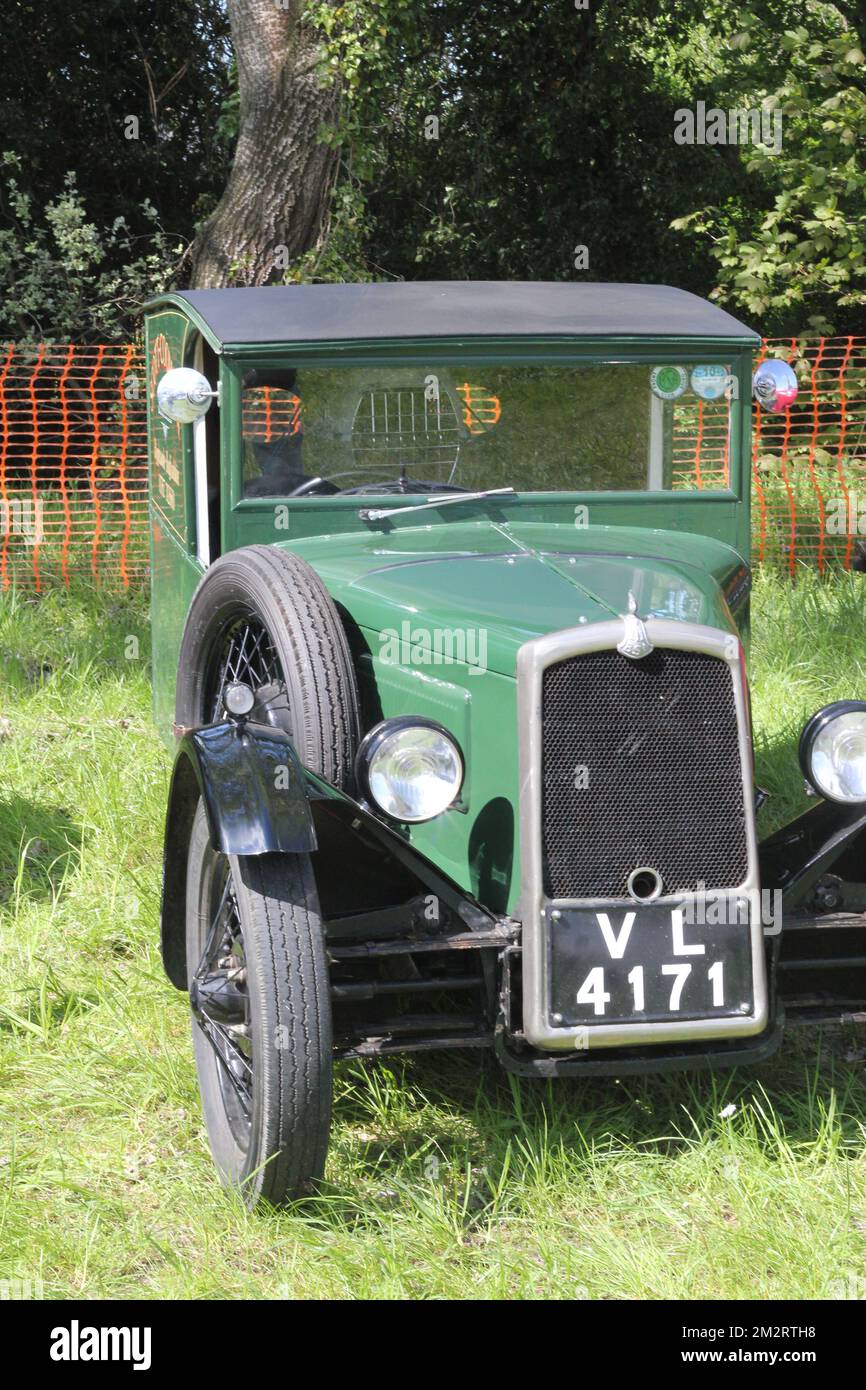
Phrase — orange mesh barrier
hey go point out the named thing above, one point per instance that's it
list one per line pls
(269, 412)
(73, 464)
(481, 410)
(73, 458)
(808, 463)
(701, 447)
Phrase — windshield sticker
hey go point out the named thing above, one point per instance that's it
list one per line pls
(710, 381)
(668, 382)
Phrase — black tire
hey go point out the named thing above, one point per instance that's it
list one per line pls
(277, 1150)
(302, 669)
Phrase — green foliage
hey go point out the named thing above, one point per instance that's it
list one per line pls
(71, 78)
(67, 279)
(797, 256)
(554, 132)
(128, 96)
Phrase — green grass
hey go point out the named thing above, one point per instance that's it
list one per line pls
(447, 1179)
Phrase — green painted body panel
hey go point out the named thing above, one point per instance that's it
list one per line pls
(518, 580)
(174, 570)
(492, 587)
(499, 572)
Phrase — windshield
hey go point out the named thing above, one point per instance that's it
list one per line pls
(596, 427)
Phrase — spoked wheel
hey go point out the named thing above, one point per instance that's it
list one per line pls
(219, 998)
(262, 616)
(246, 654)
(258, 983)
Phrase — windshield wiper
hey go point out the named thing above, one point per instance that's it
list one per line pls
(380, 513)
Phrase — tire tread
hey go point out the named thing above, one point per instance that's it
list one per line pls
(287, 901)
(289, 596)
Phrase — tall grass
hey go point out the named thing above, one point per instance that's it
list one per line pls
(447, 1179)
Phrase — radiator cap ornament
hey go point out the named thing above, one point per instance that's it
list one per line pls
(635, 641)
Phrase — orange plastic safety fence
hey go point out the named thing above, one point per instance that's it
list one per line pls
(73, 457)
(809, 462)
(270, 411)
(73, 464)
(481, 409)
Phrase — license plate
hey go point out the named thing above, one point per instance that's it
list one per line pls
(646, 964)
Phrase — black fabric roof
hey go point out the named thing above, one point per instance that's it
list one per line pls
(456, 308)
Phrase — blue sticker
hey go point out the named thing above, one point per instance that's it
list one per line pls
(711, 381)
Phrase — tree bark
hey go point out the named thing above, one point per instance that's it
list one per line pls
(277, 192)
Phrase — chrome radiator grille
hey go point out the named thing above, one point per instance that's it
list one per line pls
(640, 767)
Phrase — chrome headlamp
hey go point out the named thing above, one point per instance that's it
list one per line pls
(833, 751)
(410, 768)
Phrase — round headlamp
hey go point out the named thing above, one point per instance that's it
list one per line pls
(239, 699)
(833, 751)
(410, 768)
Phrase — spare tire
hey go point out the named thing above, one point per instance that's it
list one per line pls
(261, 615)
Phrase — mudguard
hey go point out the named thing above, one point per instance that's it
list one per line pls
(253, 787)
(256, 801)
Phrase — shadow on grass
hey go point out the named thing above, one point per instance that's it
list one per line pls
(44, 1007)
(777, 769)
(39, 846)
(465, 1116)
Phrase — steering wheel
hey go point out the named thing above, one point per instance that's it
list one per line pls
(327, 487)
(313, 485)
(402, 486)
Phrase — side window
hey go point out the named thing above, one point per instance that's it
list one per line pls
(273, 437)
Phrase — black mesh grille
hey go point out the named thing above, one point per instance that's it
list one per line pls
(656, 744)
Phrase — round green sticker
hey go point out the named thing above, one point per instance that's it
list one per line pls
(668, 382)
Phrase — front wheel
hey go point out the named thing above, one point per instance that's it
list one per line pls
(258, 982)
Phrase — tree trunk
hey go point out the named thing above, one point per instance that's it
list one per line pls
(277, 192)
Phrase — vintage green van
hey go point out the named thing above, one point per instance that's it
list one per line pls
(450, 594)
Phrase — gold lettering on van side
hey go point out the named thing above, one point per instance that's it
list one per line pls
(166, 464)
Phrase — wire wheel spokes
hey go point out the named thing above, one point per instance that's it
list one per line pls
(236, 1071)
(246, 654)
(220, 1000)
